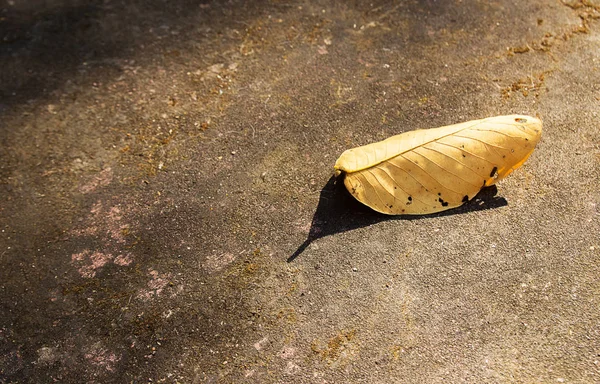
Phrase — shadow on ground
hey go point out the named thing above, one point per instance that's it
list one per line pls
(55, 41)
(337, 211)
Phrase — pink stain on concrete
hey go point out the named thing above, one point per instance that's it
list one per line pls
(123, 260)
(108, 221)
(156, 284)
(79, 256)
(102, 179)
(303, 225)
(102, 358)
(96, 208)
(118, 233)
(215, 263)
(99, 259)
(89, 231)
(104, 223)
(114, 214)
(88, 263)
(93, 263)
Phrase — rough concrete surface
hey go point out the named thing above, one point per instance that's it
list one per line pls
(167, 213)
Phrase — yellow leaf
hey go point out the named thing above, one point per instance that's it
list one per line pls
(431, 170)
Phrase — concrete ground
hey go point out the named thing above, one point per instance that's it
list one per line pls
(167, 213)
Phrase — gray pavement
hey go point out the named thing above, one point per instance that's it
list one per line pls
(167, 212)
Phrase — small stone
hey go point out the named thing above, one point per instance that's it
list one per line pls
(354, 269)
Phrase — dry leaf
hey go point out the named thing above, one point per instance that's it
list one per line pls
(431, 170)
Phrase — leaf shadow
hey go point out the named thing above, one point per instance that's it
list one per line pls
(337, 211)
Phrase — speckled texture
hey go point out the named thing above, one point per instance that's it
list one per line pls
(163, 163)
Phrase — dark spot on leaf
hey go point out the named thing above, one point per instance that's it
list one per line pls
(403, 210)
(444, 203)
(464, 155)
(504, 156)
(395, 187)
(526, 139)
(465, 199)
(439, 193)
(409, 198)
(493, 173)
